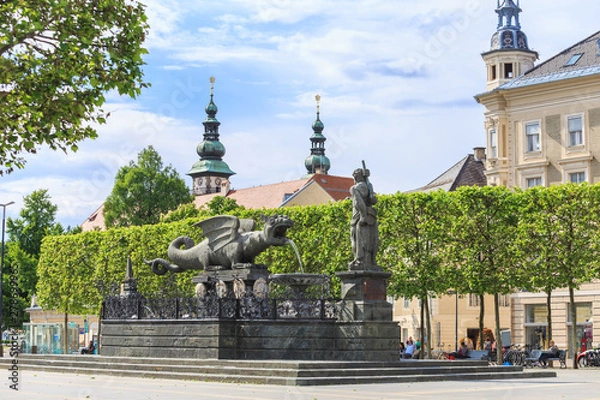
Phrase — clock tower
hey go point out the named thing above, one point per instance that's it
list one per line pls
(317, 162)
(210, 174)
(509, 55)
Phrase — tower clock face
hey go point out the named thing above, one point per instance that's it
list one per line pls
(197, 183)
(218, 181)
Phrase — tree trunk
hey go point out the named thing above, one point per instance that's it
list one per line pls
(549, 316)
(99, 329)
(421, 330)
(66, 348)
(497, 330)
(426, 344)
(573, 328)
(481, 321)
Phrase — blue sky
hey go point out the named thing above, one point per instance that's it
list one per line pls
(396, 79)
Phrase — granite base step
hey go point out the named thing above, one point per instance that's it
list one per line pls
(284, 372)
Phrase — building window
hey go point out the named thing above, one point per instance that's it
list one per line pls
(494, 73)
(575, 126)
(584, 325)
(473, 300)
(583, 310)
(536, 314)
(494, 143)
(532, 182)
(504, 300)
(406, 303)
(508, 71)
(577, 177)
(573, 60)
(532, 133)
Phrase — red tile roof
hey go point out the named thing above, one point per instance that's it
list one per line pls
(274, 195)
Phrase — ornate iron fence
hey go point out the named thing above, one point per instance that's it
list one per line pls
(212, 306)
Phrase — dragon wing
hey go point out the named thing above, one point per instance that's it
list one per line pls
(220, 230)
(247, 225)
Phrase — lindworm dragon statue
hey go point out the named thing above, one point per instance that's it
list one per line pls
(228, 241)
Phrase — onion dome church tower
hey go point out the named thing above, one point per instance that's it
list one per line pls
(317, 162)
(210, 174)
(509, 55)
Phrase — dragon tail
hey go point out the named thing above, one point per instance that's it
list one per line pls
(160, 266)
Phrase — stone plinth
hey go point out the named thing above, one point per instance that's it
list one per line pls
(362, 331)
(364, 296)
(251, 340)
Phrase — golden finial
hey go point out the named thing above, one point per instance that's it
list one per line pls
(318, 98)
(212, 84)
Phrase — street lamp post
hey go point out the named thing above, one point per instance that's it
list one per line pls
(2, 268)
(455, 293)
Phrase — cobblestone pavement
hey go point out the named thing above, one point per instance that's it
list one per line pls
(33, 385)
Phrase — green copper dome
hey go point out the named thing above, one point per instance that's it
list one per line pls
(317, 162)
(210, 149)
(318, 125)
(211, 168)
(211, 109)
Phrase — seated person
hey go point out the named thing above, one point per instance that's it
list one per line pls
(410, 348)
(463, 352)
(401, 349)
(488, 344)
(90, 349)
(551, 353)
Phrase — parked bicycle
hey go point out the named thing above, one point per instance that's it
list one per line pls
(514, 355)
(589, 358)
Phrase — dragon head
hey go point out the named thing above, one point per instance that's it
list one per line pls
(276, 227)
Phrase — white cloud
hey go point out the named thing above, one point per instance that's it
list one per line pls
(396, 79)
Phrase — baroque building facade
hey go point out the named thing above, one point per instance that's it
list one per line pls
(542, 127)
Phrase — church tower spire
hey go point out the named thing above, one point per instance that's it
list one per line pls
(210, 174)
(509, 55)
(317, 162)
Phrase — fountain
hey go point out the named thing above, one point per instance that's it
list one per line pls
(234, 315)
(299, 282)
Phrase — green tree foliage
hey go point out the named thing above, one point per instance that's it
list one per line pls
(13, 303)
(561, 233)
(430, 242)
(483, 236)
(220, 205)
(36, 220)
(144, 191)
(57, 60)
(415, 236)
(537, 241)
(184, 211)
(75, 271)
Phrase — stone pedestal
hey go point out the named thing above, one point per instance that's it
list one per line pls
(240, 279)
(365, 318)
(364, 296)
(363, 331)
